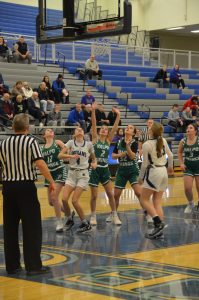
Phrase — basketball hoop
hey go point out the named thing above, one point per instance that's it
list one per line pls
(101, 47)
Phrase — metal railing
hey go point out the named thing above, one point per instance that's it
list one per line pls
(118, 54)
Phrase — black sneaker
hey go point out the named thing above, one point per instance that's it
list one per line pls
(43, 270)
(158, 229)
(70, 222)
(16, 271)
(84, 227)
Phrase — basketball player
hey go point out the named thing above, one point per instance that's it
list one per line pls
(50, 152)
(154, 175)
(102, 174)
(188, 155)
(78, 151)
(126, 152)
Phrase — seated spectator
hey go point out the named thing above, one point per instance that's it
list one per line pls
(48, 85)
(17, 89)
(174, 118)
(76, 117)
(112, 117)
(3, 88)
(193, 104)
(27, 90)
(60, 90)
(55, 117)
(162, 78)
(6, 110)
(101, 116)
(87, 98)
(44, 97)
(20, 105)
(92, 68)
(21, 51)
(187, 116)
(4, 50)
(176, 78)
(119, 135)
(87, 116)
(35, 108)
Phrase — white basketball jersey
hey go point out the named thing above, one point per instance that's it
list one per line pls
(83, 149)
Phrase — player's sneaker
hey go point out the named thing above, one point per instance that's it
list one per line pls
(189, 209)
(70, 222)
(110, 218)
(84, 227)
(158, 229)
(116, 220)
(93, 220)
(59, 226)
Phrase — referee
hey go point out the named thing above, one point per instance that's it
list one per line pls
(19, 154)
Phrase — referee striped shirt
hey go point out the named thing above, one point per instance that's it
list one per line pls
(17, 156)
(144, 136)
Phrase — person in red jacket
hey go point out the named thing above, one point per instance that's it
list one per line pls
(193, 104)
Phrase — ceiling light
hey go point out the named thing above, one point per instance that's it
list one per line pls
(175, 28)
(195, 31)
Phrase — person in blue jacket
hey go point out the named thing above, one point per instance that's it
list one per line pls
(60, 91)
(176, 78)
(76, 117)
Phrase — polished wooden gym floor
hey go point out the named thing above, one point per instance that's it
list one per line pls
(113, 262)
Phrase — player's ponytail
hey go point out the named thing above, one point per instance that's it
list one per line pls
(157, 131)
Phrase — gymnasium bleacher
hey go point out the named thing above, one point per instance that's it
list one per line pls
(130, 86)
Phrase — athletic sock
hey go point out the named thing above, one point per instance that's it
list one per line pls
(156, 220)
(84, 221)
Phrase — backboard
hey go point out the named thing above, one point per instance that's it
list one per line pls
(82, 19)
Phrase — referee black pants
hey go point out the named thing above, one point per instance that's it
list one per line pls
(20, 202)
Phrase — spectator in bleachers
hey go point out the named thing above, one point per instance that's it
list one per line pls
(87, 116)
(35, 108)
(176, 77)
(21, 51)
(88, 98)
(162, 78)
(46, 79)
(27, 90)
(60, 90)
(101, 116)
(6, 109)
(119, 135)
(76, 117)
(193, 104)
(112, 117)
(44, 96)
(17, 89)
(20, 105)
(4, 50)
(187, 116)
(55, 117)
(92, 68)
(3, 87)
(174, 118)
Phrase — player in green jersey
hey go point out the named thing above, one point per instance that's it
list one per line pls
(126, 152)
(188, 155)
(102, 174)
(50, 152)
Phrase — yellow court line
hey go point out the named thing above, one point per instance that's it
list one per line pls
(181, 256)
(17, 289)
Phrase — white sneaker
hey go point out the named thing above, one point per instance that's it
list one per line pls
(116, 220)
(59, 226)
(93, 220)
(189, 209)
(109, 218)
(41, 124)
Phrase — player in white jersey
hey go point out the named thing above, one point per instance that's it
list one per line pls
(78, 151)
(154, 176)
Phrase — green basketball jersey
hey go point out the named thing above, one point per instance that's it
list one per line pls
(102, 152)
(191, 152)
(121, 147)
(50, 156)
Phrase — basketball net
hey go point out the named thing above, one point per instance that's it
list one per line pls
(101, 47)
